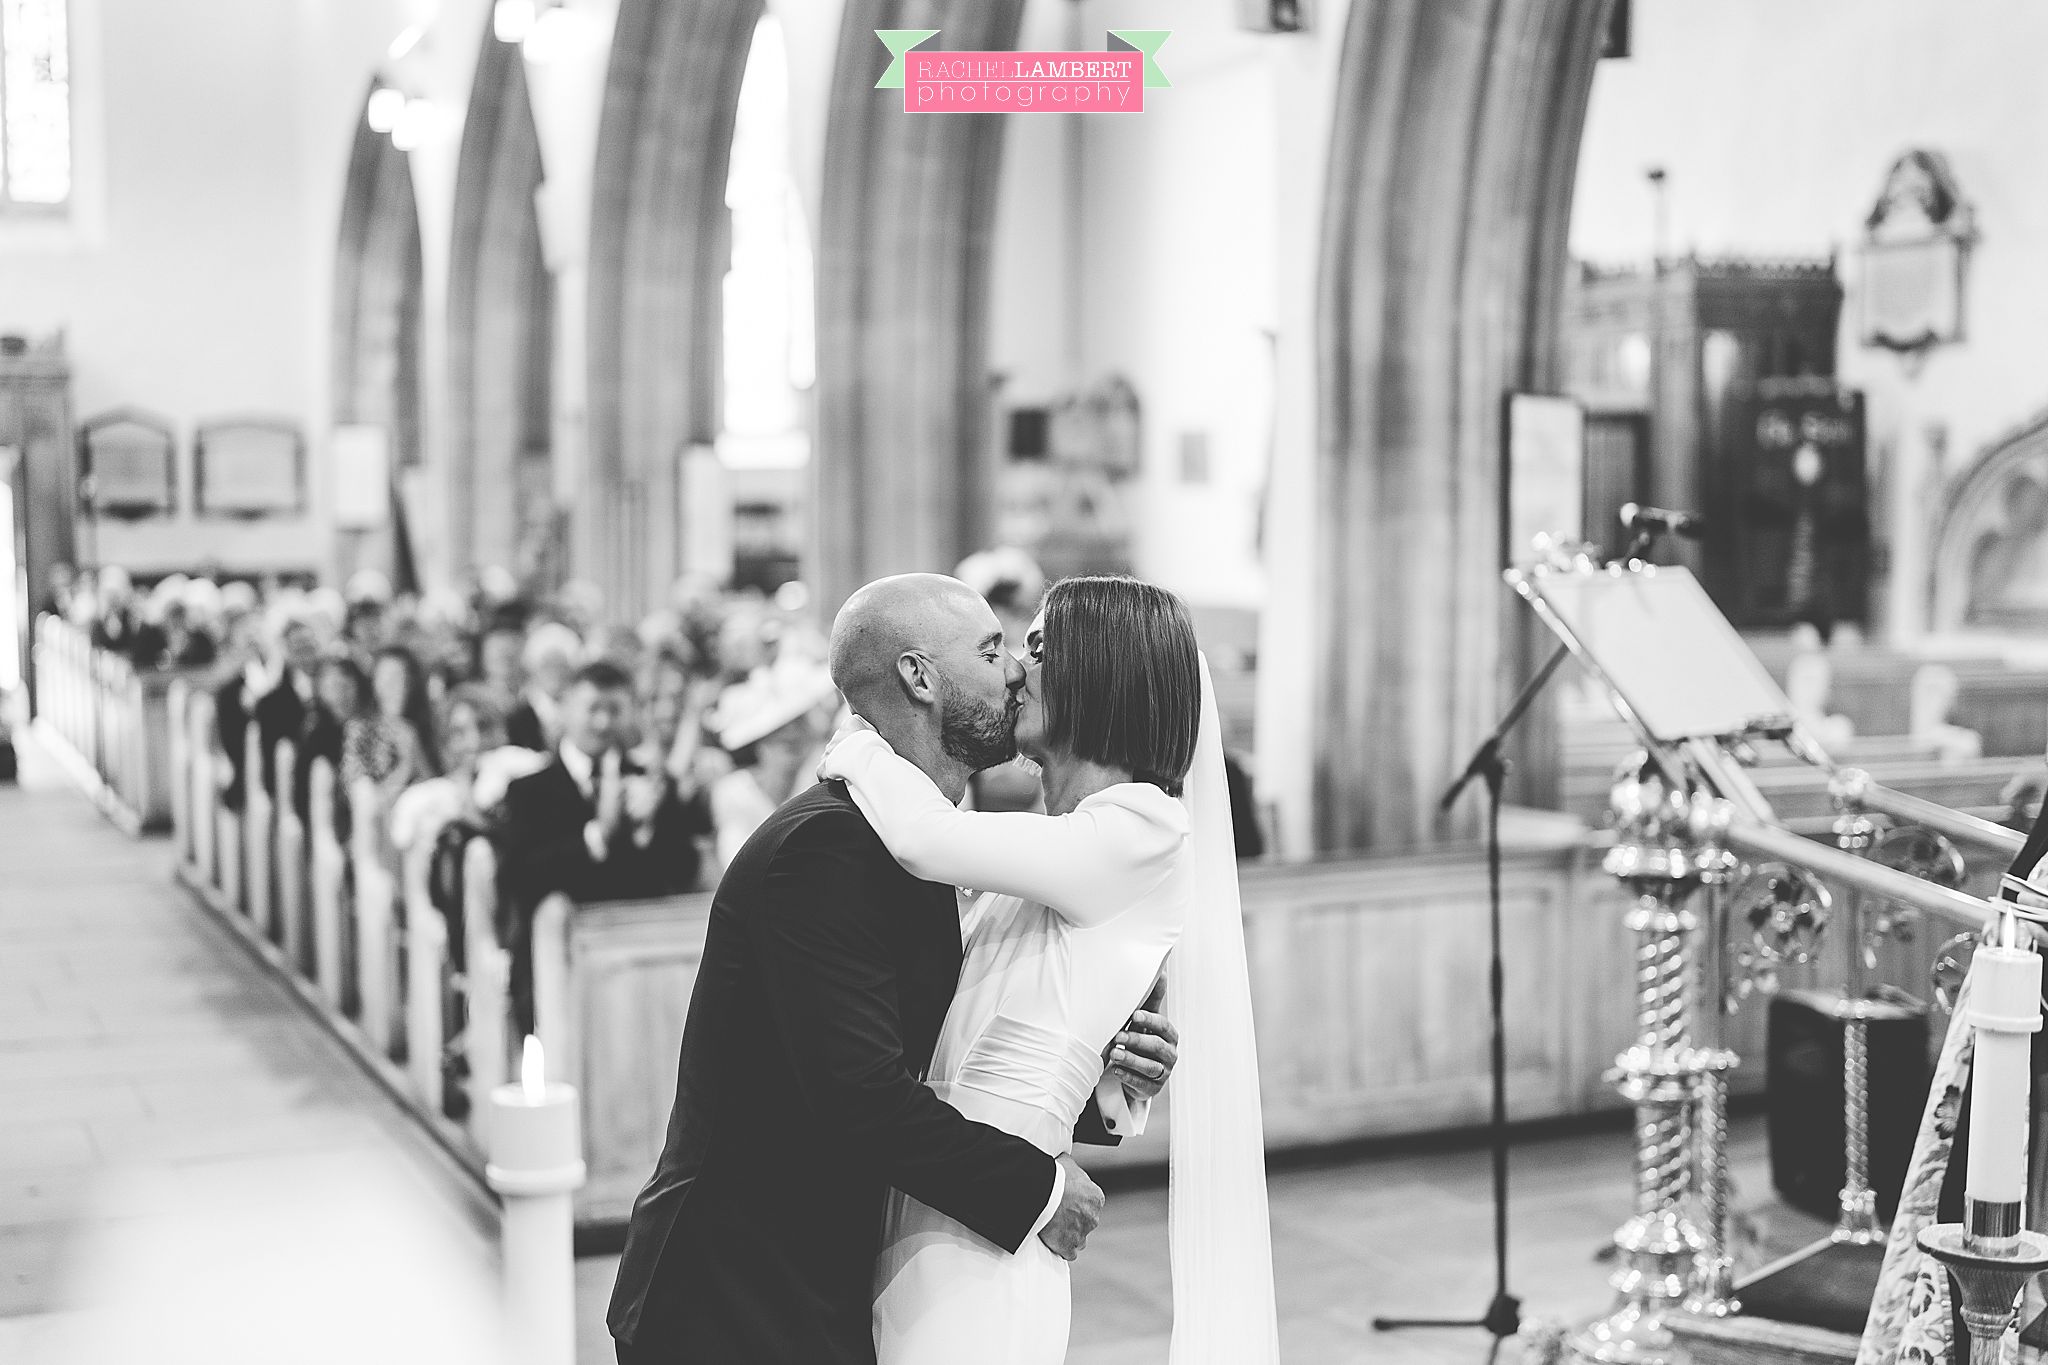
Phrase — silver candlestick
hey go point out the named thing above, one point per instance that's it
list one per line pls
(1987, 1275)
(1666, 852)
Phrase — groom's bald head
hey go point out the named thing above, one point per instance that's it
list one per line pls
(921, 613)
(921, 658)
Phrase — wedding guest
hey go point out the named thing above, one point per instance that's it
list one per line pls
(339, 697)
(550, 659)
(589, 824)
(115, 626)
(498, 664)
(276, 698)
(774, 728)
(437, 818)
(391, 741)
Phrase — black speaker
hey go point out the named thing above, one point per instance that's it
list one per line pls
(1803, 1090)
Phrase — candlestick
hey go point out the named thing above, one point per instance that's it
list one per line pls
(536, 1163)
(2005, 1008)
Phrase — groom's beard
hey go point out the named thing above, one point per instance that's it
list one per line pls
(973, 732)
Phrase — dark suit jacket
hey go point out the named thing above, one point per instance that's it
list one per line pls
(278, 713)
(523, 728)
(827, 972)
(320, 736)
(541, 851)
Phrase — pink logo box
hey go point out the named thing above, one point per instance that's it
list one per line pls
(1024, 82)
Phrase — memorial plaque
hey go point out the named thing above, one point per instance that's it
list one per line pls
(129, 459)
(250, 467)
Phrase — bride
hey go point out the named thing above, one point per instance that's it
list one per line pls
(1072, 917)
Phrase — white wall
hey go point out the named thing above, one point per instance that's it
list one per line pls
(1777, 122)
(1196, 279)
(194, 275)
(1176, 281)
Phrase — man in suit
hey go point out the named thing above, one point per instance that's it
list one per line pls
(279, 708)
(549, 663)
(827, 972)
(590, 824)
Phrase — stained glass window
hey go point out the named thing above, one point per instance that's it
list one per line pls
(35, 103)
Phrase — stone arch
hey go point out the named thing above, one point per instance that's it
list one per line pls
(907, 220)
(378, 301)
(658, 257)
(1452, 159)
(500, 334)
(1990, 563)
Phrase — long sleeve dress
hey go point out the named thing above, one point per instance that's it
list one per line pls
(1066, 929)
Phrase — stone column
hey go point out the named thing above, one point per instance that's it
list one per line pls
(658, 256)
(903, 268)
(1452, 159)
(499, 307)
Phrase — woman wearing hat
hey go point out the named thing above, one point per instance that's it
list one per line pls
(773, 726)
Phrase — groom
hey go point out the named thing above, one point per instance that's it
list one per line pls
(827, 973)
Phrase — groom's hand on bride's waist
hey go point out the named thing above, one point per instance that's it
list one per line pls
(1078, 1214)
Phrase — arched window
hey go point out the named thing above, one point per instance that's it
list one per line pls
(35, 105)
(768, 352)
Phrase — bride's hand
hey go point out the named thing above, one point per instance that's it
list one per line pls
(1143, 1055)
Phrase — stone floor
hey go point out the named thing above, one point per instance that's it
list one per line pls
(1406, 1232)
(152, 1079)
(180, 1141)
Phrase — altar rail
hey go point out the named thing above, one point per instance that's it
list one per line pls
(110, 722)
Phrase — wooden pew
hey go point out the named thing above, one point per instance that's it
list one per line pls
(328, 876)
(485, 1041)
(112, 720)
(426, 983)
(294, 875)
(376, 906)
(259, 832)
(203, 783)
(612, 984)
(178, 776)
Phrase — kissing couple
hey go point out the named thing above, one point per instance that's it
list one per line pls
(882, 1077)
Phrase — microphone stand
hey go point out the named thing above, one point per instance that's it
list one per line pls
(1503, 1316)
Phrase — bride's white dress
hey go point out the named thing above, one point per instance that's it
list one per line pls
(1042, 992)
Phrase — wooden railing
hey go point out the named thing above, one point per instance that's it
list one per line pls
(110, 722)
(350, 925)
(346, 924)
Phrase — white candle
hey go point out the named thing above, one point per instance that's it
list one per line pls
(536, 1163)
(534, 1126)
(2005, 1010)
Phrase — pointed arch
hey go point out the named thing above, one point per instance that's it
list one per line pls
(500, 333)
(379, 296)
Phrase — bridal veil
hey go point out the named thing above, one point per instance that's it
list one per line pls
(1221, 1243)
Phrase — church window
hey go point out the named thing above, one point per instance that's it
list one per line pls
(35, 104)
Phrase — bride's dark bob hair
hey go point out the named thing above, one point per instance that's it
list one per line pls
(1122, 684)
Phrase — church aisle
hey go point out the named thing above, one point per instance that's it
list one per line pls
(142, 1051)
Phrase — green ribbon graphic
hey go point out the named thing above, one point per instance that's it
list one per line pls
(900, 41)
(1147, 41)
